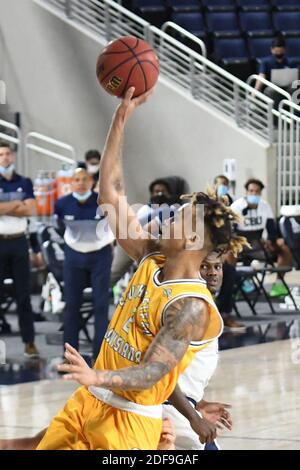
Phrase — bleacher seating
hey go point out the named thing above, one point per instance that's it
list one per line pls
(252, 23)
(223, 24)
(254, 5)
(294, 49)
(219, 5)
(256, 23)
(179, 6)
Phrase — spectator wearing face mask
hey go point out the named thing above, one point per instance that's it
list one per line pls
(257, 218)
(92, 161)
(88, 257)
(278, 59)
(221, 183)
(17, 204)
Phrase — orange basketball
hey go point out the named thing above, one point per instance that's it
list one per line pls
(127, 62)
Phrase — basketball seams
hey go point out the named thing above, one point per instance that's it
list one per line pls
(134, 55)
(128, 78)
(121, 52)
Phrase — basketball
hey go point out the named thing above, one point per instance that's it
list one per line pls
(127, 62)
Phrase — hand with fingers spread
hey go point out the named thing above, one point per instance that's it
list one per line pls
(129, 104)
(78, 369)
(216, 413)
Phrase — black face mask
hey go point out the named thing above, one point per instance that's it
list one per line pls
(160, 199)
(279, 56)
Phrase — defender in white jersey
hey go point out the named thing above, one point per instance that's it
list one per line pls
(196, 377)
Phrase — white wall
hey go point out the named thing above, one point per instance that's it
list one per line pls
(49, 69)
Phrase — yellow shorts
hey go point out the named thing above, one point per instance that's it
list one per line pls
(87, 423)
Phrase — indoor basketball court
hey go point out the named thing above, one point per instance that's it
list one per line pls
(149, 225)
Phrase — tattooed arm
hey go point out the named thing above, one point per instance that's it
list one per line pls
(185, 320)
(112, 198)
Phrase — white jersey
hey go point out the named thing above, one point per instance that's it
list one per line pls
(252, 219)
(192, 383)
(196, 376)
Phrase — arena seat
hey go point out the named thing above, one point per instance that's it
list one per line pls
(256, 23)
(288, 23)
(223, 24)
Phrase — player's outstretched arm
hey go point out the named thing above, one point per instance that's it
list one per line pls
(205, 429)
(185, 320)
(112, 200)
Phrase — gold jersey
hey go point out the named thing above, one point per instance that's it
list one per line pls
(139, 317)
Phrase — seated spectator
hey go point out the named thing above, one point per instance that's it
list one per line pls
(257, 217)
(277, 60)
(88, 258)
(17, 203)
(91, 164)
(221, 183)
(92, 161)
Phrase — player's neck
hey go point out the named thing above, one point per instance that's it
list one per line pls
(181, 267)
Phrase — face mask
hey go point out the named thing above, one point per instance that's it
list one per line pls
(92, 169)
(160, 199)
(279, 56)
(253, 200)
(82, 197)
(7, 170)
(222, 190)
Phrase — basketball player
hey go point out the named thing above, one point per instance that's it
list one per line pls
(166, 315)
(193, 382)
(188, 394)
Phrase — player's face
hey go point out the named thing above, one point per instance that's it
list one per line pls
(81, 182)
(6, 157)
(177, 231)
(211, 271)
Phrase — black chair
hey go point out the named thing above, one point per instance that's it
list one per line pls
(5, 302)
(290, 229)
(259, 252)
(54, 258)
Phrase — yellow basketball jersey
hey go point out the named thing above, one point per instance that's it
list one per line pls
(139, 317)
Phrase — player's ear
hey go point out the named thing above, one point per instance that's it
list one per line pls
(194, 242)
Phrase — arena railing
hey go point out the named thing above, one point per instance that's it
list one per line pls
(11, 134)
(41, 145)
(169, 25)
(288, 154)
(199, 77)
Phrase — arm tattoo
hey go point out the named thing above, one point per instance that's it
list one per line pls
(186, 319)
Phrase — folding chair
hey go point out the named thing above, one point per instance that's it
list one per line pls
(259, 252)
(289, 225)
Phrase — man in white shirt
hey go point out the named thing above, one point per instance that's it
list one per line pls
(256, 218)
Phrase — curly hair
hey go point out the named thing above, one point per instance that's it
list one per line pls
(219, 219)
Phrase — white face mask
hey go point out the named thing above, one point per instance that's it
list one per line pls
(7, 170)
(82, 197)
(92, 169)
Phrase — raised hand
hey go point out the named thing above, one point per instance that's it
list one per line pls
(77, 369)
(129, 104)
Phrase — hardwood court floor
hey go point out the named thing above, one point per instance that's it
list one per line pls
(262, 382)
